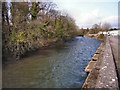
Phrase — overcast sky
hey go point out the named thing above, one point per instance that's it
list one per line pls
(89, 12)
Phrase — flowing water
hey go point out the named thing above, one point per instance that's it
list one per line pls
(54, 67)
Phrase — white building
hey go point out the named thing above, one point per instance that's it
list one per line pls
(112, 33)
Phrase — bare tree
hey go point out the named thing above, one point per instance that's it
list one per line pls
(106, 26)
(96, 28)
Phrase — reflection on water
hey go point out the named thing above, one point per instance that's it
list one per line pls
(53, 68)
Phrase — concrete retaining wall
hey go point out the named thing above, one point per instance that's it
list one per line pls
(103, 74)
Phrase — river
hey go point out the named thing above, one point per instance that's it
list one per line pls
(54, 67)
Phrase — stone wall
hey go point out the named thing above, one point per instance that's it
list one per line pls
(103, 74)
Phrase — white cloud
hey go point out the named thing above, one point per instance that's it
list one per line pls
(113, 20)
(88, 19)
(96, 13)
(86, 14)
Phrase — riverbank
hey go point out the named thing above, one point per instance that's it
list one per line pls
(103, 74)
(45, 44)
(96, 36)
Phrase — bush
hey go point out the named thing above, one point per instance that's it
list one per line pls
(101, 37)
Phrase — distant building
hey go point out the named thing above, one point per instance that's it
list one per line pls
(112, 33)
(102, 32)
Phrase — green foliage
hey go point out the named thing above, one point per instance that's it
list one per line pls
(101, 37)
(18, 37)
(21, 37)
(58, 25)
(34, 10)
(46, 24)
(59, 29)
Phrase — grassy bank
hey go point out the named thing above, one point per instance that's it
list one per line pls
(99, 36)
